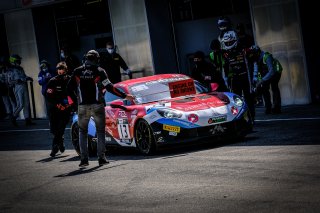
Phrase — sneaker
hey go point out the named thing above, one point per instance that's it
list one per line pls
(62, 148)
(54, 150)
(268, 111)
(276, 111)
(29, 122)
(14, 121)
(84, 162)
(103, 161)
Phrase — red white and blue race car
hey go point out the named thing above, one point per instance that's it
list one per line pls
(169, 108)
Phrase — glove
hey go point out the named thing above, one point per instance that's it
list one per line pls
(127, 71)
(62, 107)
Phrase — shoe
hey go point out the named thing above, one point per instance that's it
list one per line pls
(276, 111)
(54, 151)
(267, 112)
(84, 162)
(62, 148)
(14, 121)
(29, 122)
(102, 161)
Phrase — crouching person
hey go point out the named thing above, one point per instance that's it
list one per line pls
(59, 109)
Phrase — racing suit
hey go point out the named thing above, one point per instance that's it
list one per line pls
(270, 71)
(9, 101)
(238, 73)
(59, 109)
(43, 78)
(18, 79)
(87, 84)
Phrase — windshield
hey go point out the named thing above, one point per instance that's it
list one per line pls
(159, 90)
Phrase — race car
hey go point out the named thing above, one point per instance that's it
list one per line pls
(168, 109)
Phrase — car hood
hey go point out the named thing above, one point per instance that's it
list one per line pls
(198, 102)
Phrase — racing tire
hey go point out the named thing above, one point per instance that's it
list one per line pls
(92, 141)
(144, 138)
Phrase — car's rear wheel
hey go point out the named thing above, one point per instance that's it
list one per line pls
(144, 138)
(92, 141)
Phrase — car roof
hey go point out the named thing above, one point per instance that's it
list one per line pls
(150, 78)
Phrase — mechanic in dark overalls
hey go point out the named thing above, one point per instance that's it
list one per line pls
(58, 107)
(237, 70)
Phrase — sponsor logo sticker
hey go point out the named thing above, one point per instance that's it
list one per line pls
(171, 128)
(217, 119)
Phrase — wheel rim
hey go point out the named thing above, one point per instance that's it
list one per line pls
(144, 137)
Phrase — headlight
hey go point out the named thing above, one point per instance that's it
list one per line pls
(169, 113)
(237, 100)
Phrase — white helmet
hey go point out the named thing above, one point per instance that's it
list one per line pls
(229, 40)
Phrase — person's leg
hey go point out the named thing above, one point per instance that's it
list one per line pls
(63, 121)
(54, 126)
(7, 105)
(18, 93)
(99, 119)
(83, 120)
(266, 96)
(98, 114)
(26, 106)
(276, 96)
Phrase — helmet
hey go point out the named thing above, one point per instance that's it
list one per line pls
(229, 40)
(224, 23)
(15, 59)
(44, 63)
(93, 56)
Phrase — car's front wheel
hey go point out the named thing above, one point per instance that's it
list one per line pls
(144, 138)
(92, 141)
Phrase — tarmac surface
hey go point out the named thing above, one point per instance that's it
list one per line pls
(274, 169)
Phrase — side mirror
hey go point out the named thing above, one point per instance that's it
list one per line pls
(214, 86)
(118, 104)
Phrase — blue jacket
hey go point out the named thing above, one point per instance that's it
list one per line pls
(43, 78)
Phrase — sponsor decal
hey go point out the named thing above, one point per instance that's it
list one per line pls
(122, 114)
(182, 88)
(217, 119)
(152, 117)
(157, 133)
(217, 129)
(108, 139)
(105, 82)
(127, 141)
(173, 133)
(171, 128)
(160, 139)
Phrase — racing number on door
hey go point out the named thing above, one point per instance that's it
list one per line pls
(123, 129)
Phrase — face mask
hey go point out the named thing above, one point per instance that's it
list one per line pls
(110, 50)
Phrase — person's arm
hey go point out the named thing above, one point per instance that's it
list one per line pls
(71, 89)
(271, 71)
(124, 65)
(41, 79)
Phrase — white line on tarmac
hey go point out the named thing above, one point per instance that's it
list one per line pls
(288, 119)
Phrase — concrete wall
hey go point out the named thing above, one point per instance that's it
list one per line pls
(131, 33)
(22, 40)
(277, 30)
